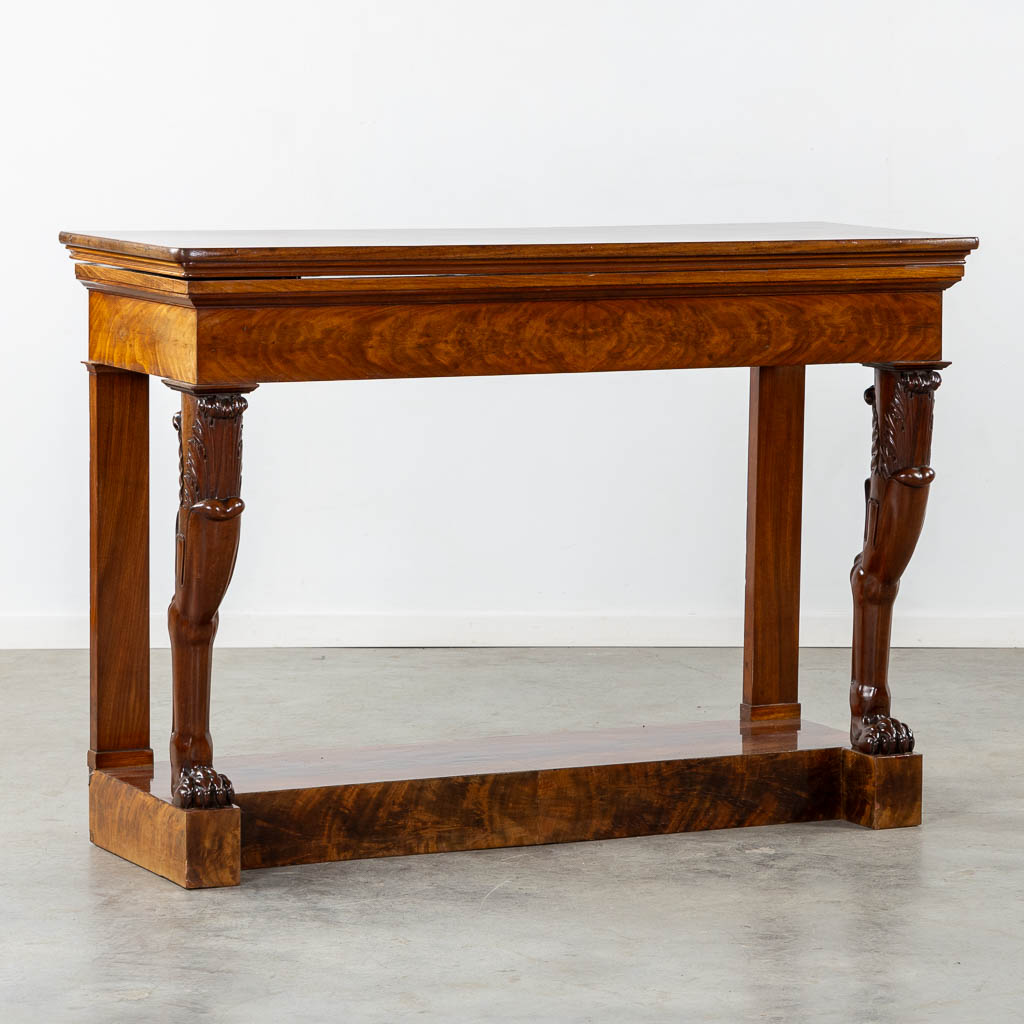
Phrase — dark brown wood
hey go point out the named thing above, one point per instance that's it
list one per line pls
(786, 711)
(882, 792)
(501, 791)
(236, 308)
(119, 568)
(902, 403)
(524, 790)
(714, 279)
(220, 312)
(195, 849)
(771, 635)
(495, 755)
(566, 787)
(469, 339)
(209, 518)
(559, 805)
(232, 254)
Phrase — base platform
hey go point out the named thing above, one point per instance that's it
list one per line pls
(500, 791)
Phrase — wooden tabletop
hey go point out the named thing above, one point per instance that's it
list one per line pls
(244, 307)
(242, 254)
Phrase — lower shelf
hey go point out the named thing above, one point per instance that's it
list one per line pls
(501, 791)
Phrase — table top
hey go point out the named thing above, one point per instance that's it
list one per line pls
(218, 308)
(500, 250)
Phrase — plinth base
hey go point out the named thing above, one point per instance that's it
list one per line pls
(501, 791)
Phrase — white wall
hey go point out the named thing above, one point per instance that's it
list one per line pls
(588, 509)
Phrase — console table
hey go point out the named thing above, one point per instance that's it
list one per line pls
(216, 314)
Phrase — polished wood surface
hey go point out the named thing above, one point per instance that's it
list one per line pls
(902, 403)
(354, 289)
(237, 346)
(516, 250)
(775, 450)
(524, 790)
(496, 755)
(443, 340)
(244, 307)
(195, 849)
(147, 337)
(534, 807)
(321, 239)
(216, 313)
(882, 792)
(119, 568)
(209, 429)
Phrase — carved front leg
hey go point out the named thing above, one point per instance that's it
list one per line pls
(902, 401)
(210, 443)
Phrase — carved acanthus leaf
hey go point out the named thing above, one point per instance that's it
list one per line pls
(893, 428)
(198, 481)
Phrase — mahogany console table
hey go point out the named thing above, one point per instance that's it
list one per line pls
(218, 313)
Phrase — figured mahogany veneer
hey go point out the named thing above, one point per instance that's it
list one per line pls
(245, 307)
(196, 849)
(507, 791)
(217, 313)
(236, 346)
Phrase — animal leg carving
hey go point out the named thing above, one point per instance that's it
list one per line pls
(209, 519)
(902, 402)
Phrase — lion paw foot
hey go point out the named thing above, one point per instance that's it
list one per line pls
(201, 786)
(880, 734)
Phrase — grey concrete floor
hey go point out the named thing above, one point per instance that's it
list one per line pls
(822, 922)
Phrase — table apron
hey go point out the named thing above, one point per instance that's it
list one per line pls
(234, 345)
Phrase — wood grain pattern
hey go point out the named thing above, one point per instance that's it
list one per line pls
(527, 808)
(148, 337)
(195, 849)
(471, 339)
(362, 289)
(217, 313)
(771, 637)
(118, 568)
(882, 792)
(339, 306)
(504, 791)
(240, 346)
(494, 251)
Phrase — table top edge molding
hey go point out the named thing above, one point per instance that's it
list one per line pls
(622, 254)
